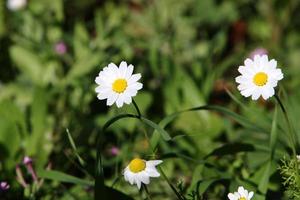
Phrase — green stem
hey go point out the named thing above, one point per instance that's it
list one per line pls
(179, 196)
(137, 108)
(291, 134)
(146, 191)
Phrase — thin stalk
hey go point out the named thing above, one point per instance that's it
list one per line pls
(136, 108)
(146, 191)
(291, 134)
(179, 196)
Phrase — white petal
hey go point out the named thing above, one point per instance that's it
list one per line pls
(102, 96)
(136, 86)
(232, 196)
(129, 72)
(123, 69)
(241, 191)
(152, 172)
(246, 71)
(144, 178)
(112, 99)
(272, 64)
(243, 87)
(256, 95)
(267, 92)
(131, 178)
(153, 162)
(241, 79)
(248, 63)
(134, 78)
(113, 69)
(138, 183)
(120, 101)
(127, 99)
(250, 195)
(247, 92)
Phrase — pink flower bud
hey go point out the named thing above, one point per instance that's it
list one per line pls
(258, 51)
(27, 160)
(4, 186)
(60, 48)
(114, 151)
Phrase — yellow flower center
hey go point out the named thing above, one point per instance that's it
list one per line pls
(119, 85)
(260, 79)
(137, 165)
(242, 198)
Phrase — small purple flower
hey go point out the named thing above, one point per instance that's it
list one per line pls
(114, 151)
(27, 160)
(258, 51)
(4, 186)
(60, 48)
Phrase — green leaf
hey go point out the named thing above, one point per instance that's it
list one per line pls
(39, 144)
(274, 133)
(110, 193)
(62, 177)
(263, 184)
(240, 119)
(203, 185)
(72, 143)
(162, 132)
(229, 149)
(28, 63)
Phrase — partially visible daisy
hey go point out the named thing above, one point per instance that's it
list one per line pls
(139, 171)
(258, 77)
(298, 157)
(118, 84)
(16, 4)
(241, 194)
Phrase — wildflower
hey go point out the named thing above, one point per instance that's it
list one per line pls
(139, 171)
(117, 84)
(16, 4)
(28, 162)
(241, 194)
(114, 151)
(258, 77)
(4, 186)
(258, 51)
(60, 48)
(298, 158)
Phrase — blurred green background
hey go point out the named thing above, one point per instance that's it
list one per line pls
(188, 52)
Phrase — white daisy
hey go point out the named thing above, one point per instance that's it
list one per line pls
(16, 4)
(117, 84)
(241, 194)
(258, 77)
(139, 171)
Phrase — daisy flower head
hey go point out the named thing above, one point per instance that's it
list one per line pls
(16, 4)
(118, 84)
(241, 194)
(258, 77)
(139, 171)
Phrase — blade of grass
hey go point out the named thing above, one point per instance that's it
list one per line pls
(72, 143)
(62, 177)
(240, 119)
